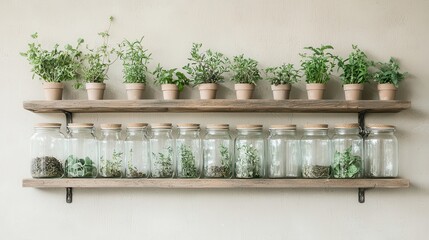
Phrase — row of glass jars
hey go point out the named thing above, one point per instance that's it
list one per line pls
(159, 155)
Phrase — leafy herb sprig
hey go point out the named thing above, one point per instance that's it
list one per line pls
(187, 159)
(389, 73)
(78, 167)
(284, 74)
(162, 165)
(111, 167)
(346, 165)
(355, 67)
(170, 76)
(248, 160)
(245, 70)
(318, 66)
(135, 59)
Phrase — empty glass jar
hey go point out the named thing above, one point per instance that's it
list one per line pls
(188, 149)
(249, 152)
(82, 151)
(316, 151)
(283, 152)
(161, 147)
(47, 151)
(136, 151)
(218, 149)
(111, 162)
(381, 147)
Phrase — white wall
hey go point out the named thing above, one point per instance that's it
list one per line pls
(270, 31)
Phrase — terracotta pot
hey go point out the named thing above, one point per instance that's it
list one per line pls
(281, 92)
(353, 91)
(134, 90)
(170, 91)
(244, 90)
(53, 90)
(95, 90)
(208, 90)
(315, 90)
(387, 91)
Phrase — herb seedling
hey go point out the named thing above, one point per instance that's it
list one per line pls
(318, 66)
(162, 164)
(134, 60)
(245, 70)
(111, 168)
(389, 73)
(248, 162)
(187, 167)
(170, 76)
(79, 167)
(284, 74)
(346, 165)
(355, 67)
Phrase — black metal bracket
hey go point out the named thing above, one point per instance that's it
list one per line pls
(69, 195)
(361, 121)
(361, 195)
(69, 117)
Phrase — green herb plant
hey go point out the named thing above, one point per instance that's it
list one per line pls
(284, 74)
(56, 65)
(162, 164)
(248, 161)
(135, 59)
(170, 76)
(389, 73)
(318, 66)
(355, 67)
(187, 167)
(346, 165)
(111, 168)
(132, 171)
(222, 170)
(206, 67)
(80, 168)
(245, 70)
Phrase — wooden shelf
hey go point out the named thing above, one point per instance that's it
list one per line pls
(217, 105)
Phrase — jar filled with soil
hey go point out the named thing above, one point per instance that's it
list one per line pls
(218, 149)
(82, 151)
(47, 151)
(316, 151)
(111, 160)
(249, 152)
(188, 149)
(136, 151)
(161, 147)
(283, 152)
(347, 150)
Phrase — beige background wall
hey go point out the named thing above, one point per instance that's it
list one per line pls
(272, 32)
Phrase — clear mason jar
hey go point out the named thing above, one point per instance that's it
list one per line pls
(347, 150)
(161, 147)
(381, 147)
(249, 152)
(188, 151)
(283, 152)
(316, 151)
(136, 151)
(82, 151)
(111, 161)
(47, 151)
(218, 149)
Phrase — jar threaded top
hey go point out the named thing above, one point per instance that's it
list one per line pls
(80, 125)
(188, 126)
(110, 126)
(47, 125)
(283, 127)
(136, 125)
(217, 126)
(254, 127)
(316, 126)
(161, 125)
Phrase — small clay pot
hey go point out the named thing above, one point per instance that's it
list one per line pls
(281, 91)
(53, 90)
(386, 91)
(170, 91)
(134, 90)
(353, 91)
(95, 90)
(208, 90)
(315, 90)
(244, 90)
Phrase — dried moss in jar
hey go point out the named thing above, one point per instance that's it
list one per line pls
(316, 151)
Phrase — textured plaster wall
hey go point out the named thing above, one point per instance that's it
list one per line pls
(272, 32)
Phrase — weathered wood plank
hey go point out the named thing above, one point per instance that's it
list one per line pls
(216, 183)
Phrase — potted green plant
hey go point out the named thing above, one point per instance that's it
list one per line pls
(134, 61)
(317, 68)
(355, 73)
(245, 75)
(172, 82)
(206, 69)
(96, 66)
(54, 67)
(388, 78)
(281, 79)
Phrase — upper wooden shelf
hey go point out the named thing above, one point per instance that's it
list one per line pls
(216, 105)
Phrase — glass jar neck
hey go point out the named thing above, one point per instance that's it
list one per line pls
(316, 132)
(289, 132)
(160, 132)
(114, 132)
(81, 130)
(346, 131)
(135, 131)
(218, 131)
(189, 132)
(245, 132)
(382, 131)
(47, 130)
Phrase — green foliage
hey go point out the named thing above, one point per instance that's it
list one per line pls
(170, 76)
(134, 60)
(55, 65)
(355, 67)
(79, 167)
(111, 168)
(346, 165)
(248, 160)
(225, 161)
(187, 160)
(245, 70)
(162, 164)
(318, 66)
(285, 74)
(206, 67)
(389, 73)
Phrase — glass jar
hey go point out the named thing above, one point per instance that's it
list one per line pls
(111, 161)
(347, 150)
(47, 151)
(381, 147)
(188, 149)
(316, 151)
(136, 151)
(82, 151)
(161, 147)
(218, 149)
(283, 152)
(249, 152)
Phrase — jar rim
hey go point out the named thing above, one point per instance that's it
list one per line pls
(161, 125)
(80, 125)
(254, 127)
(381, 126)
(316, 126)
(110, 126)
(188, 125)
(283, 127)
(47, 125)
(221, 126)
(347, 126)
(136, 125)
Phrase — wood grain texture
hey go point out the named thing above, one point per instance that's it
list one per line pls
(216, 183)
(216, 105)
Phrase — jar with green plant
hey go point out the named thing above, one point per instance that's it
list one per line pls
(355, 73)
(206, 70)
(172, 82)
(317, 68)
(388, 78)
(281, 79)
(54, 67)
(135, 59)
(245, 75)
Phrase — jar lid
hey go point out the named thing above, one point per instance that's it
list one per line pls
(47, 125)
(217, 126)
(380, 126)
(316, 126)
(283, 127)
(249, 127)
(80, 125)
(137, 125)
(347, 125)
(188, 125)
(113, 126)
(161, 125)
